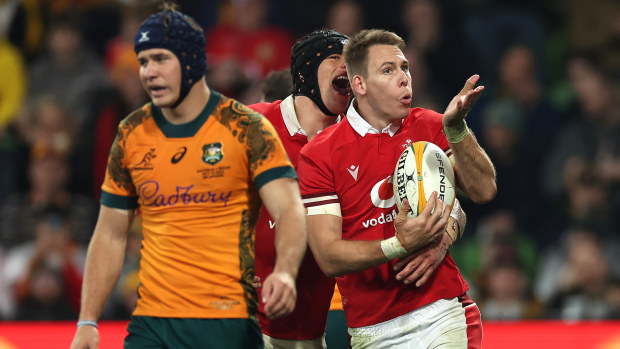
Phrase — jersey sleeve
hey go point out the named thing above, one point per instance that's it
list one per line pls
(118, 190)
(266, 154)
(316, 183)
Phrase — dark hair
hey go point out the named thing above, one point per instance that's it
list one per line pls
(277, 85)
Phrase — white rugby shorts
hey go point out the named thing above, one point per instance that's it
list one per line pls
(446, 323)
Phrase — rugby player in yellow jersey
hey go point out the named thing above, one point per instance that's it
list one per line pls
(198, 165)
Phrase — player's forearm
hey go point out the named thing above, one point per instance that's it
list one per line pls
(104, 262)
(291, 241)
(343, 257)
(475, 170)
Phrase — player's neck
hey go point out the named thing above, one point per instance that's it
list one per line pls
(375, 119)
(310, 117)
(192, 105)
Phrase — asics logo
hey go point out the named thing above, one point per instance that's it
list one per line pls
(178, 155)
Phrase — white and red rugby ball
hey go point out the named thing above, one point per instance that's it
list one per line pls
(421, 169)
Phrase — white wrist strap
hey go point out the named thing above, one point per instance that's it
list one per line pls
(392, 248)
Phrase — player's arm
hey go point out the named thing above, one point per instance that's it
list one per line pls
(337, 257)
(104, 261)
(282, 199)
(476, 174)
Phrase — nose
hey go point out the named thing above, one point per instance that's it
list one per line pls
(148, 70)
(404, 78)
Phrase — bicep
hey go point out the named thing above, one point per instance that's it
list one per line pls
(113, 223)
(323, 231)
(280, 195)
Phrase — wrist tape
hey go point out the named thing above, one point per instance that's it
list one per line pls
(456, 133)
(460, 221)
(392, 248)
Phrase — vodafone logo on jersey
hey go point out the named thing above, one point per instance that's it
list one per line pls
(382, 194)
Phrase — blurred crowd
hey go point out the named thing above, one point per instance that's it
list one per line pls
(547, 247)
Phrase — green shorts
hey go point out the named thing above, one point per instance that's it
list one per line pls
(336, 335)
(156, 332)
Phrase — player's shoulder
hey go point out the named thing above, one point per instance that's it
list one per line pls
(270, 110)
(420, 117)
(329, 139)
(231, 110)
(422, 114)
(137, 117)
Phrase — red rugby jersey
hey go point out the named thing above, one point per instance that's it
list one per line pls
(314, 289)
(348, 165)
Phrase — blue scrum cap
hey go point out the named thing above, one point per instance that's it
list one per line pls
(179, 33)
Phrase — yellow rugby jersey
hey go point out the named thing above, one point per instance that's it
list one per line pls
(196, 185)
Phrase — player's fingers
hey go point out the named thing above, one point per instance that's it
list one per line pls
(408, 269)
(283, 304)
(439, 226)
(424, 278)
(470, 83)
(430, 205)
(266, 293)
(256, 282)
(420, 270)
(403, 261)
(285, 308)
(401, 217)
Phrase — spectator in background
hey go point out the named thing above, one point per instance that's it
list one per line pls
(47, 124)
(69, 69)
(582, 284)
(519, 80)
(433, 45)
(493, 26)
(503, 135)
(240, 53)
(593, 135)
(116, 47)
(22, 24)
(13, 87)
(495, 235)
(277, 85)
(45, 273)
(48, 174)
(346, 17)
(506, 293)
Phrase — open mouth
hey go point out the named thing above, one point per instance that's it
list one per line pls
(406, 99)
(341, 85)
(156, 90)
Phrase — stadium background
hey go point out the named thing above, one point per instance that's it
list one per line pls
(542, 259)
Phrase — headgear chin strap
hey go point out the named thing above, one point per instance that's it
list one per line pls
(306, 56)
(179, 33)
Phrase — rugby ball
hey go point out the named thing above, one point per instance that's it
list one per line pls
(421, 169)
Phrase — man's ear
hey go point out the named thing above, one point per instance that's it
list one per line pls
(358, 84)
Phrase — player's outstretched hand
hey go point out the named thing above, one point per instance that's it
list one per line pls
(279, 294)
(461, 103)
(86, 337)
(416, 233)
